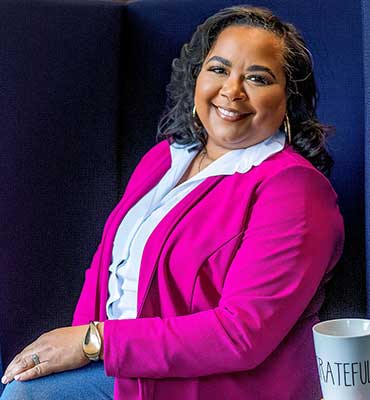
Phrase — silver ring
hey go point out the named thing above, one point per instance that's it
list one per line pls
(35, 359)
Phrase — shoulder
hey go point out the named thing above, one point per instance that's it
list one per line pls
(289, 188)
(289, 171)
(284, 159)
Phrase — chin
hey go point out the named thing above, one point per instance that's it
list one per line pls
(238, 142)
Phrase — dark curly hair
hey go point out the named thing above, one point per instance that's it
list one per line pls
(308, 134)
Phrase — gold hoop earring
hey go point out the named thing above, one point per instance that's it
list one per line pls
(195, 117)
(287, 128)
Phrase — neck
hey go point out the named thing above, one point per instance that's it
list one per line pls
(204, 160)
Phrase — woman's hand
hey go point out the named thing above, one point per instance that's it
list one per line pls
(58, 350)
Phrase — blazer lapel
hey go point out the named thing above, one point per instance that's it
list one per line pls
(159, 236)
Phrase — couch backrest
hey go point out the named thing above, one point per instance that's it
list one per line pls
(366, 67)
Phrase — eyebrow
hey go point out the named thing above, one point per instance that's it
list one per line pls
(254, 68)
(251, 68)
(221, 60)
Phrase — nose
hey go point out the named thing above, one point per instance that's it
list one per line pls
(233, 89)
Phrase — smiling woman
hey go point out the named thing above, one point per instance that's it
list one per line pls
(211, 269)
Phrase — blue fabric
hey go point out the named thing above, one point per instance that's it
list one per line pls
(1, 371)
(85, 383)
(366, 64)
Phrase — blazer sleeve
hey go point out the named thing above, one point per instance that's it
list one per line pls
(294, 235)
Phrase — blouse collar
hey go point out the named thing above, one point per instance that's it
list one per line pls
(240, 160)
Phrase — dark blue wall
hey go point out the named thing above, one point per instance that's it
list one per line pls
(82, 85)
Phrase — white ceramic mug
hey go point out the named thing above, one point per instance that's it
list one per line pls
(342, 349)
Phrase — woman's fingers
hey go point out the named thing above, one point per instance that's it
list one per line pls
(36, 372)
(22, 362)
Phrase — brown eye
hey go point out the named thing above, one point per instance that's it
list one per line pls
(217, 70)
(259, 80)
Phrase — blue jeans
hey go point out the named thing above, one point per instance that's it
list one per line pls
(89, 382)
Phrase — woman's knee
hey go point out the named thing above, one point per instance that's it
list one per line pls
(17, 391)
(36, 389)
(89, 382)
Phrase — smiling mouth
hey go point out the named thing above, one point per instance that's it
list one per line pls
(231, 116)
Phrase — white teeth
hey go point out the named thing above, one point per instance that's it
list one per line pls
(228, 113)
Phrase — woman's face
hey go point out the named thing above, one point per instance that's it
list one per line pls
(240, 90)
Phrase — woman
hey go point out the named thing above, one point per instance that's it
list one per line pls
(211, 269)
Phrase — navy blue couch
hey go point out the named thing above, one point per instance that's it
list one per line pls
(82, 84)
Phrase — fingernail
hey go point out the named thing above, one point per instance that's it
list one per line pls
(4, 380)
(16, 377)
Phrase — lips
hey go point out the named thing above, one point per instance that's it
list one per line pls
(231, 115)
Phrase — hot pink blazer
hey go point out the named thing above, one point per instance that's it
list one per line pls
(230, 285)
